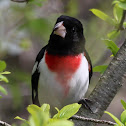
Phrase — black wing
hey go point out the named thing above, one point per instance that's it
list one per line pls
(35, 77)
(89, 64)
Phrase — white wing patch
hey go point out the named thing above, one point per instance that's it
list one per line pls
(35, 67)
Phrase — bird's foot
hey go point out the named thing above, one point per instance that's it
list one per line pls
(85, 102)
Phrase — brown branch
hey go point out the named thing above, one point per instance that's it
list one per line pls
(75, 117)
(20, 1)
(106, 89)
(4, 124)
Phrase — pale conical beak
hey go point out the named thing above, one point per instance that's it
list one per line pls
(60, 30)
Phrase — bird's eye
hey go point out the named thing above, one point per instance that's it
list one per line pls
(73, 29)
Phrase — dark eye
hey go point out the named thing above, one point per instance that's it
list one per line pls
(73, 29)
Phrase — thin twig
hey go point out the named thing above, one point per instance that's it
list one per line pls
(4, 124)
(92, 120)
(20, 1)
(121, 22)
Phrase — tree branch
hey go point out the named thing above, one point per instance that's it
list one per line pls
(106, 89)
(4, 124)
(20, 1)
(92, 120)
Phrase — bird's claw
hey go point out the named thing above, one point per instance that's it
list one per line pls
(85, 102)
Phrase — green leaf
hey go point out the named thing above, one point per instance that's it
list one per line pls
(40, 118)
(17, 117)
(124, 104)
(113, 34)
(67, 111)
(2, 89)
(5, 72)
(3, 78)
(123, 117)
(124, 24)
(103, 16)
(39, 115)
(32, 109)
(111, 55)
(116, 125)
(32, 121)
(115, 118)
(46, 108)
(57, 109)
(61, 123)
(118, 13)
(2, 65)
(115, 2)
(122, 5)
(100, 69)
(112, 46)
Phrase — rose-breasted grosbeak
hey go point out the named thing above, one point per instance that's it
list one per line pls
(62, 69)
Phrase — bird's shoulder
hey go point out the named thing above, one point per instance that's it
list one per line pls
(41, 54)
(38, 59)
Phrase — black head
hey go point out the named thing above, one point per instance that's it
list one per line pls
(67, 37)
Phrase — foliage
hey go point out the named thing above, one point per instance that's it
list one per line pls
(122, 117)
(118, 23)
(3, 77)
(124, 104)
(100, 69)
(120, 3)
(36, 2)
(40, 116)
(112, 46)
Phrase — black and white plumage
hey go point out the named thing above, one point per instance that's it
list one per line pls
(62, 69)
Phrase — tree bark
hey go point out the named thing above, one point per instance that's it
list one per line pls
(107, 87)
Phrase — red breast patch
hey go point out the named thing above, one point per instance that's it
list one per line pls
(64, 66)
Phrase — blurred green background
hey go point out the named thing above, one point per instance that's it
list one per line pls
(25, 29)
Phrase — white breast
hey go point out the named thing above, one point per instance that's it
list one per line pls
(51, 91)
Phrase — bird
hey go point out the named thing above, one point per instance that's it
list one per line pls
(63, 69)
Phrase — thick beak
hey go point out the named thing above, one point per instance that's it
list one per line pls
(60, 30)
